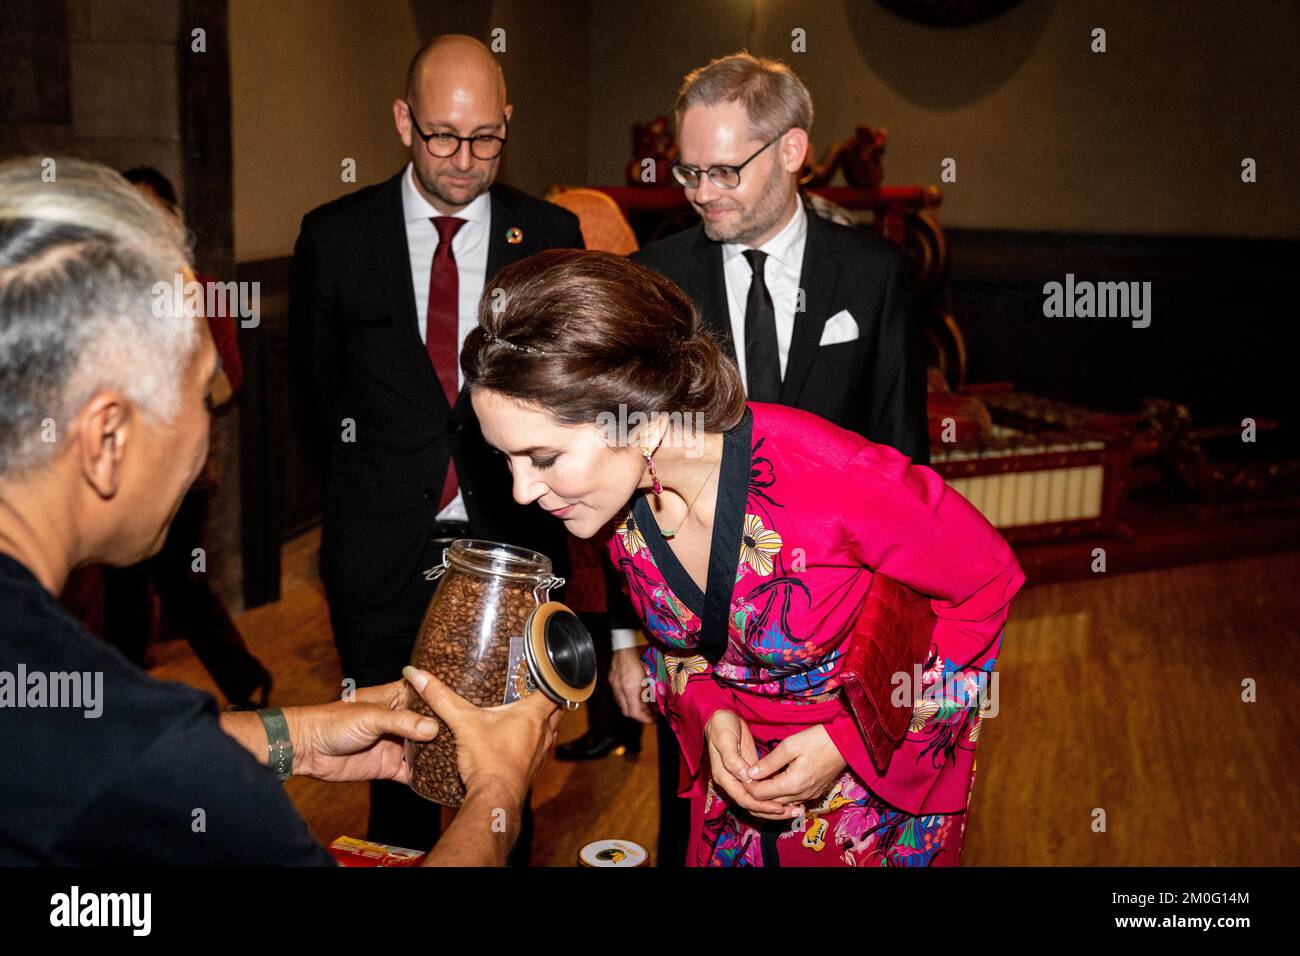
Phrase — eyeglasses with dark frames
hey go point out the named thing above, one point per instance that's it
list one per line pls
(722, 176)
(445, 145)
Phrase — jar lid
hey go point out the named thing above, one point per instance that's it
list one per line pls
(561, 654)
(613, 853)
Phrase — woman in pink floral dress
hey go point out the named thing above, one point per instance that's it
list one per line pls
(748, 535)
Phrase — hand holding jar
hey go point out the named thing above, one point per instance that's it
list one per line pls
(496, 747)
(492, 636)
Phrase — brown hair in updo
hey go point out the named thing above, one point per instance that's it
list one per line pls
(614, 332)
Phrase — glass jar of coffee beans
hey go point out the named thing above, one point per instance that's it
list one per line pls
(472, 640)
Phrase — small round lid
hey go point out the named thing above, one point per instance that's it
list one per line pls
(618, 853)
(561, 654)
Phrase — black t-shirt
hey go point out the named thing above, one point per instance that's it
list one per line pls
(153, 779)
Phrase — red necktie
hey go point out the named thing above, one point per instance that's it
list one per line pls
(442, 326)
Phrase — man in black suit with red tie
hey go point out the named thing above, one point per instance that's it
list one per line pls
(817, 315)
(386, 285)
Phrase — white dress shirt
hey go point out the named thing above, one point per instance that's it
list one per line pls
(781, 269)
(470, 247)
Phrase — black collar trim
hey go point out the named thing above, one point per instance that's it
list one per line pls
(724, 548)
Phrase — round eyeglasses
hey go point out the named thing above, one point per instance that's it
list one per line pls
(445, 145)
(722, 176)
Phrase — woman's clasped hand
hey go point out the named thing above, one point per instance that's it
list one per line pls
(799, 769)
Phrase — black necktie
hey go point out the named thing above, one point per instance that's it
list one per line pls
(762, 361)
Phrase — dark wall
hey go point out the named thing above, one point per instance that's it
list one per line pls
(1216, 342)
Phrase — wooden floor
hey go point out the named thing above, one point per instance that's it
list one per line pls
(1120, 695)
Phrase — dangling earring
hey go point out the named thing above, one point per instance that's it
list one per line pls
(650, 463)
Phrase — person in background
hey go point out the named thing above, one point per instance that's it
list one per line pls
(816, 315)
(386, 283)
(104, 424)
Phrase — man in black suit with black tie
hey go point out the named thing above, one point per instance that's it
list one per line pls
(386, 285)
(822, 311)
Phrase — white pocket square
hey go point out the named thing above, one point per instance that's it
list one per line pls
(840, 327)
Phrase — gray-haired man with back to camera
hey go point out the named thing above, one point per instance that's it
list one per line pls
(103, 426)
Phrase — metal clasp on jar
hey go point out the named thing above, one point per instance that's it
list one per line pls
(438, 570)
(541, 591)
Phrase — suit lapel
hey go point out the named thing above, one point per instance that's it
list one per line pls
(707, 286)
(498, 249)
(388, 237)
(505, 215)
(817, 278)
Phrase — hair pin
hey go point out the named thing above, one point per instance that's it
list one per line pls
(492, 337)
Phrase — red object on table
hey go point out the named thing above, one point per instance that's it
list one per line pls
(350, 851)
